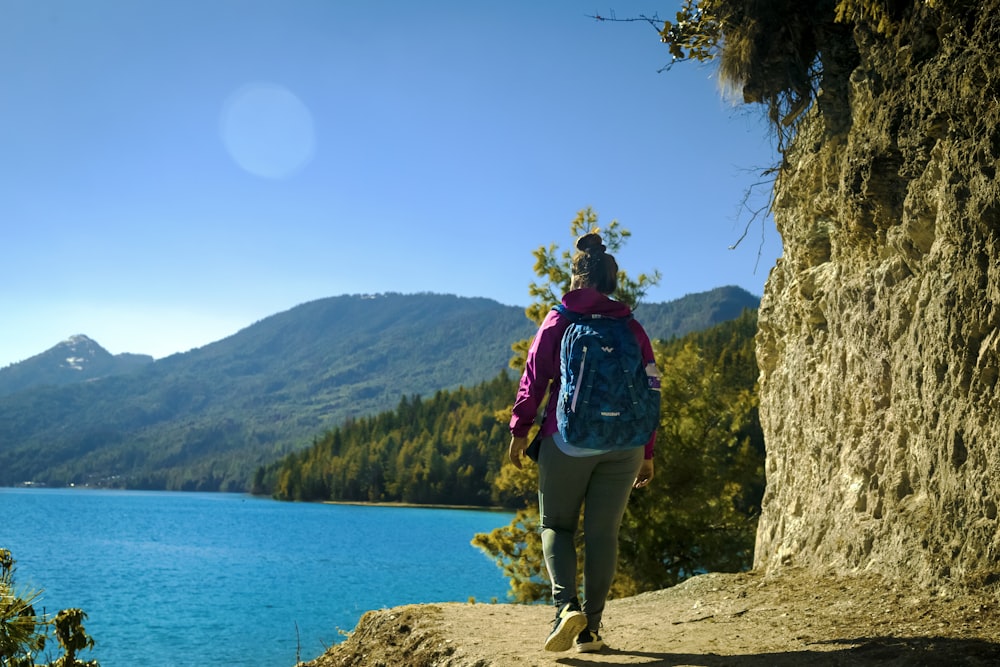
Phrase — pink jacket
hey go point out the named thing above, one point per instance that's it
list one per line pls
(543, 360)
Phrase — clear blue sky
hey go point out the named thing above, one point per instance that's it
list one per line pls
(175, 170)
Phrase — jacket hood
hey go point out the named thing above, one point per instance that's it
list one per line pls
(591, 302)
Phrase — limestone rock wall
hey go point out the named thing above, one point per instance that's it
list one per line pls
(880, 326)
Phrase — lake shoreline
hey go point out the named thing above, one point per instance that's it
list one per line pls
(432, 506)
(355, 503)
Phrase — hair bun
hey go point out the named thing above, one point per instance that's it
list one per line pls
(590, 243)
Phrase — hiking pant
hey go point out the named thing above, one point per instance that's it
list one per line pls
(601, 484)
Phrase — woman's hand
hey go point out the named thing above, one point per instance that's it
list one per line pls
(516, 449)
(645, 475)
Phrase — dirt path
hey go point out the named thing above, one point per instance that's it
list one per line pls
(715, 620)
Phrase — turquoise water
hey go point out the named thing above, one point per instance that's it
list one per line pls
(220, 579)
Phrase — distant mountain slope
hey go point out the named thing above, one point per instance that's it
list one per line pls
(695, 312)
(206, 419)
(77, 359)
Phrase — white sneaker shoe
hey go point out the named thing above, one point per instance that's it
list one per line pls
(569, 622)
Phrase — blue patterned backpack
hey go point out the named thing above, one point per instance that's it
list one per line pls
(607, 399)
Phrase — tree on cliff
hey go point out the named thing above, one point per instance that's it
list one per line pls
(779, 53)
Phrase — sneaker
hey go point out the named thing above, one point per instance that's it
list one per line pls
(569, 622)
(589, 641)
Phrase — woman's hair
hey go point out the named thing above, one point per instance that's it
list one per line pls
(593, 267)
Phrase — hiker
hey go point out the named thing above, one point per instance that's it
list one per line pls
(570, 476)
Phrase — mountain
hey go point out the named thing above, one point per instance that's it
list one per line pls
(77, 359)
(206, 419)
(694, 312)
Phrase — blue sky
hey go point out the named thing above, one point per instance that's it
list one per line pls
(175, 170)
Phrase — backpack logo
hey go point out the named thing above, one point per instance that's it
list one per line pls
(607, 399)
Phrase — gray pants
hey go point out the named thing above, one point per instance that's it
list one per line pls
(601, 485)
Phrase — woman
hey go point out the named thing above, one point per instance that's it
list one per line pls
(570, 477)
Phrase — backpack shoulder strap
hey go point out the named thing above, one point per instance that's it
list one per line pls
(567, 313)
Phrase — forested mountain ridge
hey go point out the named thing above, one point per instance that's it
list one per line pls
(208, 418)
(80, 359)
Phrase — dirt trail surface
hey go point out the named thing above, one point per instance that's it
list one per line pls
(790, 619)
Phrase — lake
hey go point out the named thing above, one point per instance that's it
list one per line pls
(193, 579)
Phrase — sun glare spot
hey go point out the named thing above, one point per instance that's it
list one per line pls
(268, 130)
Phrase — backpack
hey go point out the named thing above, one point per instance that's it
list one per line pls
(607, 399)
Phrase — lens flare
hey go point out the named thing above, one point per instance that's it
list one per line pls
(268, 130)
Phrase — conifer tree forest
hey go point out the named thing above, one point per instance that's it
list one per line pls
(440, 450)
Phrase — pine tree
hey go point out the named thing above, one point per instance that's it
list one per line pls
(23, 633)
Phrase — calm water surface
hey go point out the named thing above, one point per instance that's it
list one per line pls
(219, 579)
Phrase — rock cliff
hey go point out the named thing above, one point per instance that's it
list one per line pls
(880, 326)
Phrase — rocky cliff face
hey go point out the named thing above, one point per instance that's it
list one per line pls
(880, 326)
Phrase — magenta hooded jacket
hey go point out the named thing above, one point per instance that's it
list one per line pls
(543, 360)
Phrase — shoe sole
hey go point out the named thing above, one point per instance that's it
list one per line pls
(570, 626)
